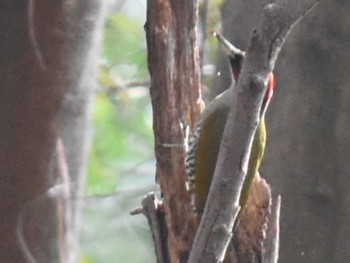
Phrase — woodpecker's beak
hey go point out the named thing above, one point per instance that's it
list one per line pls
(228, 48)
(234, 54)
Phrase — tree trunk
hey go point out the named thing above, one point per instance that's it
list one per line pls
(46, 55)
(175, 94)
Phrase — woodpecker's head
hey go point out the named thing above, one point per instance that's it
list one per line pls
(236, 58)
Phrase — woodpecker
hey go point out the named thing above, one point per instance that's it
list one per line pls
(205, 139)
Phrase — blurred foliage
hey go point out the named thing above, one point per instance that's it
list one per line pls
(110, 234)
(121, 163)
(213, 14)
(124, 43)
(122, 138)
(122, 115)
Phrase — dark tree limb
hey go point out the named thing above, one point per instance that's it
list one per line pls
(173, 64)
(222, 206)
(151, 209)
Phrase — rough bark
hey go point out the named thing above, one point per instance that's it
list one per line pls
(173, 64)
(45, 49)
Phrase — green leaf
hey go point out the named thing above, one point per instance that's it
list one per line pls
(125, 43)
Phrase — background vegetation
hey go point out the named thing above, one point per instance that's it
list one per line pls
(121, 162)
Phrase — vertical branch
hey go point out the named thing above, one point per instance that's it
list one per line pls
(174, 71)
(273, 234)
(64, 206)
(215, 229)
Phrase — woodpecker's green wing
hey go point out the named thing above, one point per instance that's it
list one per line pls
(204, 145)
(207, 154)
(256, 156)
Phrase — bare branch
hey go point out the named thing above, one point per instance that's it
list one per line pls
(222, 206)
(64, 205)
(273, 232)
(156, 221)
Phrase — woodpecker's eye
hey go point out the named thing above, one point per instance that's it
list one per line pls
(236, 62)
(239, 59)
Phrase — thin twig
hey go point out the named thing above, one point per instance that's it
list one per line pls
(33, 36)
(273, 232)
(64, 206)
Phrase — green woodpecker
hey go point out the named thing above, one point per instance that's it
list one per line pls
(205, 139)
